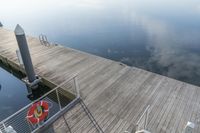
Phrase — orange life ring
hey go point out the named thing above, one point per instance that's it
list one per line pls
(38, 112)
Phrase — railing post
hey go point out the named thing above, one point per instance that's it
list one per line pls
(4, 126)
(76, 87)
(58, 99)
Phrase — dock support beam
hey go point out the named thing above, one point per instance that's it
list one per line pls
(1, 25)
(25, 54)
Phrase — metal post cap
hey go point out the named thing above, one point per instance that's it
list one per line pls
(19, 30)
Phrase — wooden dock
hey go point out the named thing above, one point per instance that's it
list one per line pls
(116, 94)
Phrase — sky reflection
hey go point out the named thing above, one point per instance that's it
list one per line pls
(159, 36)
(13, 94)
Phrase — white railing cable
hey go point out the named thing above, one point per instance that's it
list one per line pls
(58, 106)
(19, 119)
(143, 124)
(37, 100)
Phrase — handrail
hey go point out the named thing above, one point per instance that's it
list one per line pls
(60, 106)
(38, 99)
(57, 114)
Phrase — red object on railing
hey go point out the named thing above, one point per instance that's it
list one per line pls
(38, 112)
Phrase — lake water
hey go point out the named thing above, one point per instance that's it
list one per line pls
(13, 94)
(161, 36)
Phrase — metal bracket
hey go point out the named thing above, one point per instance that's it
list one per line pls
(34, 84)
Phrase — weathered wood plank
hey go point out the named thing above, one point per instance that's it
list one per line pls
(116, 94)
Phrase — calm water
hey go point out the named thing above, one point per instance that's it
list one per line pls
(13, 94)
(159, 36)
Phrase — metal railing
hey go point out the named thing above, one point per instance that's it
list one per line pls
(143, 120)
(58, 105)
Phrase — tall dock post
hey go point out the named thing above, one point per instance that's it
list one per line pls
(1, 25)
(25, 54)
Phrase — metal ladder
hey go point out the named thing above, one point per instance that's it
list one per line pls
(43, 40)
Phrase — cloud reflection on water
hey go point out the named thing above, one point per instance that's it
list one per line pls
(173, 53)
(160, 36)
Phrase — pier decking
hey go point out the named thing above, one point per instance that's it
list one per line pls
(116, 94)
